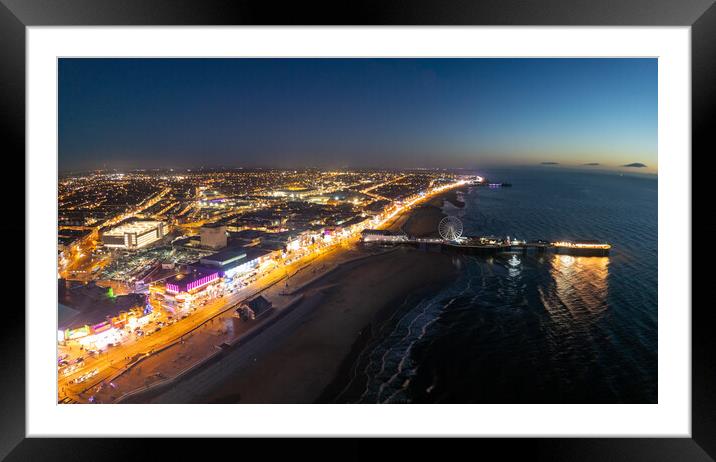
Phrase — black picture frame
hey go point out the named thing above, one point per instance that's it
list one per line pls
(700, 15)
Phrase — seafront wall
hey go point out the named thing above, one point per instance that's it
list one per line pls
(205, 361)
(275, 314)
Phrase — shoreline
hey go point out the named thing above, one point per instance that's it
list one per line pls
(320, 379)
(422, 221)
(141, 379)
(336, 310)
(331, 321)
(346, 381)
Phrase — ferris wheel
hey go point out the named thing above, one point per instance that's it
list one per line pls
(450, 228)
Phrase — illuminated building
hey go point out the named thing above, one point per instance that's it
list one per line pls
(583, 244)
(582, 247)
(213, 236)
(224, 258)
(235, 262)
(134, 235)
(197, 279)
(293, 192)
(382, 235)
(86, 311)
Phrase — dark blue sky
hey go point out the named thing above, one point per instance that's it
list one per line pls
(147, 113)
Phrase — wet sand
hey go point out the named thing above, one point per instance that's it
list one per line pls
(337, 316)
(298, 366)
(300, 357)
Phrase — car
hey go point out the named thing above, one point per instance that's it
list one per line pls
(139, 333)
(79, 360)
(157, 329)
(69, 370)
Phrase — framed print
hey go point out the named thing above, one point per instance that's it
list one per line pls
(448, 221)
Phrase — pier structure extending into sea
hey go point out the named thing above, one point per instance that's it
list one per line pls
(478, 245)
(488, 245)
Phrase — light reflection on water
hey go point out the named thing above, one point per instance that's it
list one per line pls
(553, 329)
(580, 289)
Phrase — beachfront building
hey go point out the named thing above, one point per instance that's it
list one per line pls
(382, 235)
(194, 281)
(181, 290)
(253, 308)
(237, 261)
(92, 316)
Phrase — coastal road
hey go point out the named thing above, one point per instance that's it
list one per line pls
(115, 359)
(189, 388)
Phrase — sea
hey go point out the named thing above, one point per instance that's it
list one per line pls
(549, 329)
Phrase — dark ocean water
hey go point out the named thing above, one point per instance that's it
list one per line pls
(554, 329)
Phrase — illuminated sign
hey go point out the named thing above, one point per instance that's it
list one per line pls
(80, 332)
(175, 288)
(101, 327)
(203, 281)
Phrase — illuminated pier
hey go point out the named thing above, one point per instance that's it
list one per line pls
(493, 245)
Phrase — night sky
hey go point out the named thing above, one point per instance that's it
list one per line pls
(470, 113)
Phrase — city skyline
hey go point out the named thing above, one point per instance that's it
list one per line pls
(359, 113)
(345, 231)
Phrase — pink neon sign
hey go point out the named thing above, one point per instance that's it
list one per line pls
(194, 284)
(202, 281)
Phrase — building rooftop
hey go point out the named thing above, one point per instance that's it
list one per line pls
(90, 304)
(226, 256)
(380, 232)
(253, 253)
(195, 273)
(248, 254)
(271, 246)
(214, 225)
(353, 221)
(133, 227)
(259, 304)
(248, 234)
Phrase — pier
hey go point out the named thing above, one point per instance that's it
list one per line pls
(487, 245)
(600, 249)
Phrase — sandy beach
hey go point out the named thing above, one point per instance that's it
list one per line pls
(333, 315)
(304, 354)
(423, 220)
